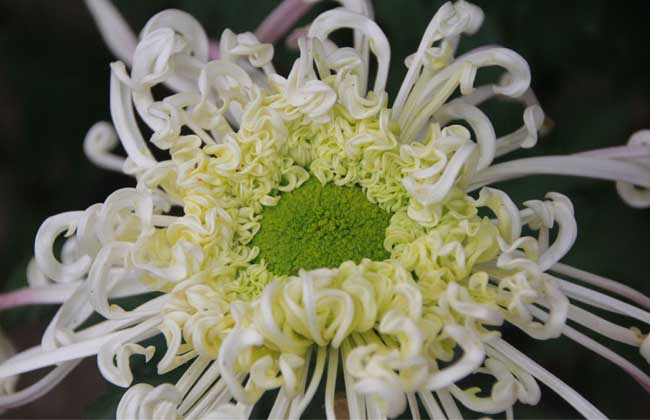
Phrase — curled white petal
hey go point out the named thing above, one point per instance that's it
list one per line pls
(310, 307)
(645, 348)
(186, 25)
(35, 277)
(263, 373)
(432, 193)
(526, 136)
(235, 342)
(247, 45)
(632, 195)
(335, 19)
(99, 281)
(502, 395)
(114, 215)
(558, 210)
(98, 143)
(507, 213)
(448, 22)
(391, 400)
(480, 124)
(558, 305)
(473, 355)
(185, 257)
(120, 375)
(124, 120)
(269, 327)
(143, 401)
(424, 102)
(51, 228)
(302, 89)
(460, 300)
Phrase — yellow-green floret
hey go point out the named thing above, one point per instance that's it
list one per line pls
(319, 226)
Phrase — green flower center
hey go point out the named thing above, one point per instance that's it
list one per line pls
(318, 226)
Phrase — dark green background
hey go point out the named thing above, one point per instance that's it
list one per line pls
(589, 62)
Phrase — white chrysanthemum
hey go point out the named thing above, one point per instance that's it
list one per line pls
(240, 137)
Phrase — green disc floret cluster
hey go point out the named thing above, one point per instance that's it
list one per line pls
(321, 226)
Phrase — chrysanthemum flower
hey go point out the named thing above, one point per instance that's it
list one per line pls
(307, 229)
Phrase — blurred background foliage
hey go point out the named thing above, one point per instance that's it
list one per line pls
(589, 61)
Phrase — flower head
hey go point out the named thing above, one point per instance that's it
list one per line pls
(310, 220)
